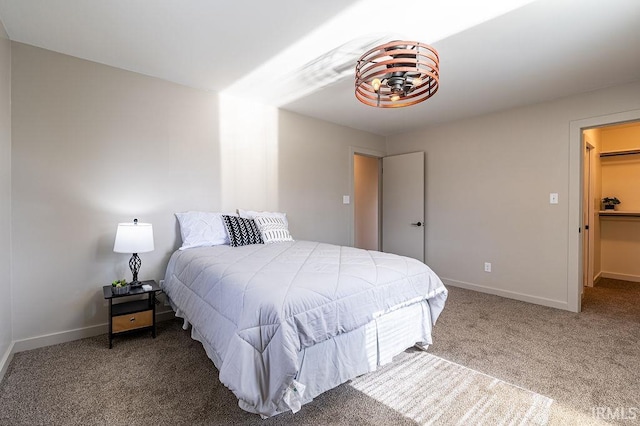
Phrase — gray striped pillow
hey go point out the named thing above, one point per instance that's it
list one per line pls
(272, 229)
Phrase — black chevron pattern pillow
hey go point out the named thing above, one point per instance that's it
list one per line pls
(242, 231)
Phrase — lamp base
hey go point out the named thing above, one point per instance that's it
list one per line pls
(134, 265)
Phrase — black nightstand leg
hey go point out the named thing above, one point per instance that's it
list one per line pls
(110, 325)
(152, 297)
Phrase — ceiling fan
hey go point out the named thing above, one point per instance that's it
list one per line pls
(397, 74)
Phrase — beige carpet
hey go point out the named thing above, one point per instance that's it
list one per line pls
(585, 362)
(434, 391)
(494, 361)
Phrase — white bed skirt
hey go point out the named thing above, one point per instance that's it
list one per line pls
(376, 343)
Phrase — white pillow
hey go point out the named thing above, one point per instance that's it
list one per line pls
(272, 229)
(200, 229)
(250, 214)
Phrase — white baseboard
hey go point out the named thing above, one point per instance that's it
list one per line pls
(57, 338)
(623, 277)
(559, 304)
(63, 337)
(6, 360)
(597, 278)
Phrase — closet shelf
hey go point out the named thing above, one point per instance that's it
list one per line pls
(619, 213)
(618, 153)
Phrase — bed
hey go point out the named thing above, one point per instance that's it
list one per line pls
(285, 322)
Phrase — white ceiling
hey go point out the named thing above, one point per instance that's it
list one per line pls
(300, 54)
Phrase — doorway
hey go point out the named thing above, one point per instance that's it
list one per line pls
(611, 243)
(580, 255)
(354, 221)
(367, 191)
(388, 208)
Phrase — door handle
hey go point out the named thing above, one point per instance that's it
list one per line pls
(417, 224)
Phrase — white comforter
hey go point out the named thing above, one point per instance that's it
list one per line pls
(257, 306)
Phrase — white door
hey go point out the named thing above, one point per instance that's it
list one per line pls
(587, 218)
(403, 205)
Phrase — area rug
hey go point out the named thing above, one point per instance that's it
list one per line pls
(431, 390)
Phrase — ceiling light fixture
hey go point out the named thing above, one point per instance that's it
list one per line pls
(397, 74)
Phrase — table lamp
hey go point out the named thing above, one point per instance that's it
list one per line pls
(134, 238)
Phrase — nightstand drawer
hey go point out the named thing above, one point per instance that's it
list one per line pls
(132, 321)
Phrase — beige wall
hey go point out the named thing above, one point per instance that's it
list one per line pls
(621, 174)
(620, 245)
(487, 198)
(620, 237)
(313, 174)
(366, 171)
(94, 146)
(5, 195)
(621, 137)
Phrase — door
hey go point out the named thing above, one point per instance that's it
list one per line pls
(587, 217)
(403, 205)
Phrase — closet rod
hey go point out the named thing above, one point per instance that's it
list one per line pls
(616, 153)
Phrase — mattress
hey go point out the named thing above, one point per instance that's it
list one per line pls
(259, 309)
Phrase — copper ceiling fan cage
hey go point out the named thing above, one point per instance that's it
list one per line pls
(397, 74)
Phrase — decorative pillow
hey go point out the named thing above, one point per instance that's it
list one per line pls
(250, 214)
(273, 229)
(242, 231)
(200, 229)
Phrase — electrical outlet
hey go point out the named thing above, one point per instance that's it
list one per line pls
(487, 267)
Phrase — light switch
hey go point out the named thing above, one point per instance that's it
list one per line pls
(346, 199)
(553, 198)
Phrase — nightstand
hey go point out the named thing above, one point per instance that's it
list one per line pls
(134, 315)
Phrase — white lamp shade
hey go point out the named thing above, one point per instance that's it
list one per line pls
(134, 238)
